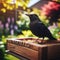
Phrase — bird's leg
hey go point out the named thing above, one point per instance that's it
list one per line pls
(40, 40)
(43, 38)
(46, 38)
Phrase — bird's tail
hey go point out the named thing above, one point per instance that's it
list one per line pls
(52, 38)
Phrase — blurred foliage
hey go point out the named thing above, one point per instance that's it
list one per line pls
(55, 32)
(13, 4)
(58, 0)
(23, 23)
(10, 57)
(2, 50)
(44, 19)
(26, 33)
(51, 10)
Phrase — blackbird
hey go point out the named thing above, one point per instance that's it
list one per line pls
(38, 28)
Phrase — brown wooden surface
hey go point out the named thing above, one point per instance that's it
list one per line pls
(35, 51)
(26, 52)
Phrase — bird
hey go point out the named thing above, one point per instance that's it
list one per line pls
(38, 28)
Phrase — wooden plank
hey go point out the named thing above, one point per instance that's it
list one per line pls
(26, 52)
(42, 53)
(17, 56)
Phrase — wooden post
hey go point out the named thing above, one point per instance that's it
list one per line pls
(42, 55)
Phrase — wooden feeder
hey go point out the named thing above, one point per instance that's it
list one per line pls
(32, 49)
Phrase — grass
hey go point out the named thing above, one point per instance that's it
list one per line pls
(10, 57)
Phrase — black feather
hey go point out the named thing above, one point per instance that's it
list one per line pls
(38, 28)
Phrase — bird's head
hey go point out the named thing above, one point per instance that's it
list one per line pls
(33, 17)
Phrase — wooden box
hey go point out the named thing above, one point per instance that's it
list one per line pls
(33, 50)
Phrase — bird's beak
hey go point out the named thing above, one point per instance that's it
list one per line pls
(27, 14)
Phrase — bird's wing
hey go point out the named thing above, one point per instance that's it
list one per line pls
(41, 27)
